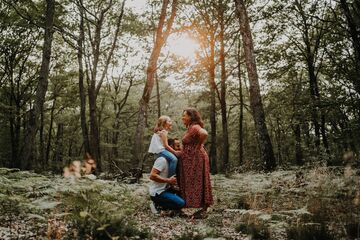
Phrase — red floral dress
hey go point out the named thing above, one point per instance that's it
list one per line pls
(193, 170)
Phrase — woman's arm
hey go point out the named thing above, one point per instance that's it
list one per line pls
(203, 134)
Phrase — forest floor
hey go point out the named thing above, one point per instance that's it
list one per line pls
(317, 203)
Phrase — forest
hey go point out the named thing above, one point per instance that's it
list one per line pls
(277, 84)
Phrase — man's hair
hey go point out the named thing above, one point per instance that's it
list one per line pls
(171, 142)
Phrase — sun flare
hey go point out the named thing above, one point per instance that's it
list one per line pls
(182, 45)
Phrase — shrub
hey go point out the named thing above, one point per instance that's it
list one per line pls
(309, 231)
(94, 216)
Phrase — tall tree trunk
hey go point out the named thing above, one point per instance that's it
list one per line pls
(241, 110)
(41, 87)
(160, 40)
(158, 95)
(41, 161)
(314, 95)
(80, 54)
(212, 85)
(94, 125)
(277, 133)
(312, 39)
(95, 83)
(298, 149)
(323, 133)
(225, 150)
(58, 156)
(15, 124)
(266, 150)
(47, 154)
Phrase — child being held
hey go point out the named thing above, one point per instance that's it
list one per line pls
(159, 143)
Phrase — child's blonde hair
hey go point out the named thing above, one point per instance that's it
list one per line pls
(161, 123)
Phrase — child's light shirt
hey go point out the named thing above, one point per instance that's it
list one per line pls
(156, 144)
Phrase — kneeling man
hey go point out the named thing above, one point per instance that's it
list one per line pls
(161, 194)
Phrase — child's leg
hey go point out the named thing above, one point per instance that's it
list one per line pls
(172, 161)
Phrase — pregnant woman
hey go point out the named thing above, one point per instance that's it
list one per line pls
(194, 169)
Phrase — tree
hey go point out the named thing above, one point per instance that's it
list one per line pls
(97, 61)
(265, 145)
(206, 32)
(352, 14)
(224, 120)
(18, 43)
(36, 111)
(80, 56)
(241, 106)
(160, 40)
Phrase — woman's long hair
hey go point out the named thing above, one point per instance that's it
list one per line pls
(195, 117)
(161, 123)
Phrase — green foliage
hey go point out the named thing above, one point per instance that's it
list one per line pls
(99, 215)
(87, 208)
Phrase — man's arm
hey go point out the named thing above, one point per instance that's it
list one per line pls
(154, 175)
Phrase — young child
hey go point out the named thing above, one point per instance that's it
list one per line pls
(159, 143)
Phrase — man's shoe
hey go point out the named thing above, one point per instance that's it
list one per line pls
(153, 208)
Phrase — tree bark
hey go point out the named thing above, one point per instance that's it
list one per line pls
(224, 121)
(158, 95)
(48, 146)
(298, 149)
(212, 85)
(314, 94)
(58, 156)
(95, 83)
(160, 40)
(14, 120)
(41, 87)
(266, 150)
(80, 54)
(241, 110)
(41, 159)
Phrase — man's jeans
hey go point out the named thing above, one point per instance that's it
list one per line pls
(172, 161)
(168, 200)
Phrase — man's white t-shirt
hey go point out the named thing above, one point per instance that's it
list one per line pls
(156, 187)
